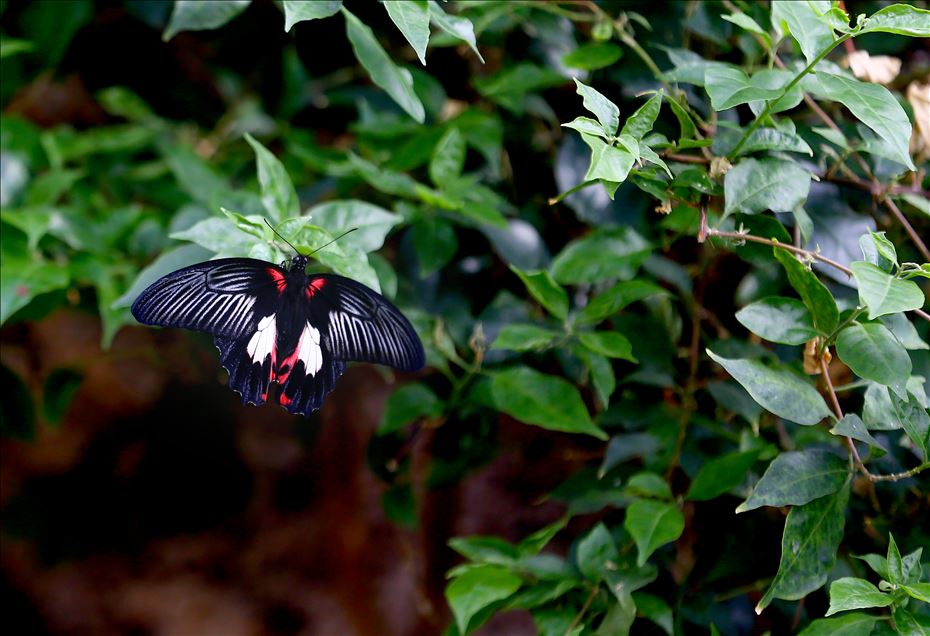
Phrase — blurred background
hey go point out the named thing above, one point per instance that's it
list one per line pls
(138, 495)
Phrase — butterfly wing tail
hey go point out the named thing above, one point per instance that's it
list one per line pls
(304, 393)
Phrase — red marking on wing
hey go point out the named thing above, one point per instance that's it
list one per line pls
(314, 286)
(280, 373)
(278, 279)
(283, 399)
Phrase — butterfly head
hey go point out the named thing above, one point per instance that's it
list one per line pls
(299, 263)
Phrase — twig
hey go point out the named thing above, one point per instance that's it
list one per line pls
(921, 246)
(903, 475)
(583, 610)
(785, 246)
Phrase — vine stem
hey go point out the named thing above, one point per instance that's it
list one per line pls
(583, 610)
(785, 246)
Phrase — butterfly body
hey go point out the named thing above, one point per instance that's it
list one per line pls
(279, 325)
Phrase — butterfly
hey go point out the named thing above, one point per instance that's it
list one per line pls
(278, 324)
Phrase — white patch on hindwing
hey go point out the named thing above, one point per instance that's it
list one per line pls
(309, 349)
(262, 343)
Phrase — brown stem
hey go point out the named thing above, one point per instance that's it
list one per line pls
(686, 158)
(583, 610)
(902, 475)
(785, 246)
(921, 246)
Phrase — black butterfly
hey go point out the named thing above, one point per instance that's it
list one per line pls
(279, 324)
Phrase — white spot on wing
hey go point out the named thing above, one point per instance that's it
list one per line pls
(262, 342)
(309, 349)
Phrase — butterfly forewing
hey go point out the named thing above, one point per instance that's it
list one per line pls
(362, 325)
(224, 297)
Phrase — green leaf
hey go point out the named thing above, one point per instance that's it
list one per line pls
(855, 624)
(608, 343)
(808, 547)
(920, 591)
(435, 243)
(586, 125)
(23, 280)
(609, 302)
(195, 15)
(601, 372)
(884, 247)
(603, 254)
(343, 259)
(412, 18)
(656, 610)
(849, 593)
(12, 46)
(641, 122)
(455, 26)
(34, 222)
(57, 392)
(906, 624)
(757, 185)
(747, 23)
(194, 175)
(545, 290)
(817, 298)
(605, 110)
(777, 389)
(476, 588)
(448, 158)
(219, 235)
(394, 80)
(649, 485)
(608, 162)
(722, 474)
(299, 10)
(915, 421)
(524, 338)
(873, 353)
(542, 400)
(803, 23)
(875, 107)
(592, 56)
(778, 319)
(883, 293)
(374, 223)
(728, 86)
(902, 19)
(597, 554)
(652, 524)
(770, 139)
(278, 194)
(893, 559)
(797, 477)
(852, 426)
(407, 404)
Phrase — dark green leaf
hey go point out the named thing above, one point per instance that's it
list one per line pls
(448, 158)
(545, 290)
(873, 353)
(722, 474)
(656, 610)
(195, 15)
(394, 80)
(915, 421)
(604, 254)
(808, 548)
(802, 22)
(817, 298)
(850, 593)
(648, 484)
(278, 194)
(476, 588)
(855, 624)
(641, 122)
(608, 343)
(407, 404)
(756, 185)
(543, 400)
(777, 389)
(852, 426)
(592, 56)
(652, 524)
(57, 392)
(435, 242)
(778, 319)
(524, 338)
(797, 477)
(728, 86)
(597, 553)
(609, 302)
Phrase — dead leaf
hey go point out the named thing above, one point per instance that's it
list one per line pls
(918, 94)
(811, 362)
(879, 69)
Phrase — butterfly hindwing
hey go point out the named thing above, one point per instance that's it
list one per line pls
(225, 297)
(248, 378)
(360, 324)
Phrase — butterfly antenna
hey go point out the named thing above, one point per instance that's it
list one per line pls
(281, 237)
(331, 242)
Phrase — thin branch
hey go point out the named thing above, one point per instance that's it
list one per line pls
(583, 610)
(903, 475)
(785, 246)
(921, 246)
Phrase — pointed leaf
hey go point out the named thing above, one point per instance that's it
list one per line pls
(873, 353)
(883, 293)
(652, 524)
(796, 478)
(412, 18)
(299, 10)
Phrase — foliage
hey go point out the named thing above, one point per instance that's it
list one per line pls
(644, 333)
